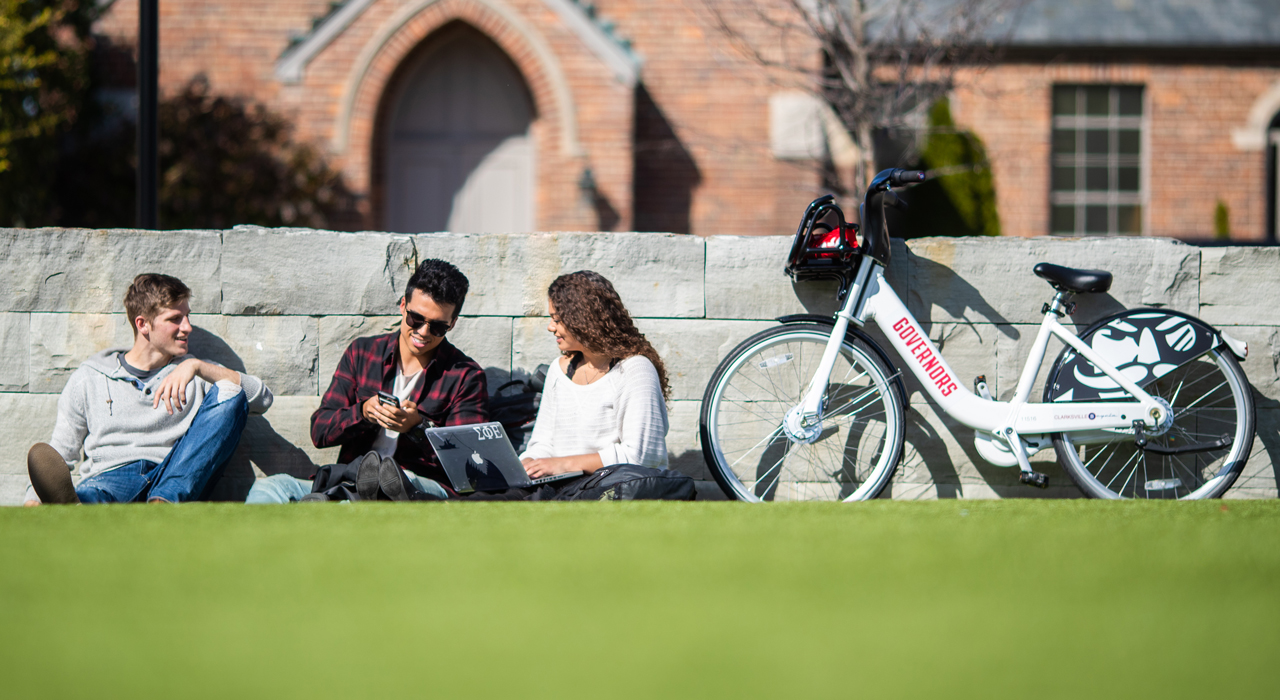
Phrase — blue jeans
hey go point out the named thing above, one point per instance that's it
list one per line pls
(282, 488)
(186, 472)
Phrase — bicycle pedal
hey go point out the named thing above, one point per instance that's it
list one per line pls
(1036, 479)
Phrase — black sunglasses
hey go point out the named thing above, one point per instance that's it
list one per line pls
(416, 321)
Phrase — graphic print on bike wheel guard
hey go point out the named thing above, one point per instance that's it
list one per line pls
(1143, 345)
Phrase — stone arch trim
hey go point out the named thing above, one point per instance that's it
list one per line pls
(407, 28)
(1253, 135)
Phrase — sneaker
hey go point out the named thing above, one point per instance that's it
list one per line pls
(393, 481)
(367, 476)
(50, 476)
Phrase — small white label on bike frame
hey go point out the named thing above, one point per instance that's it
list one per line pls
(775, 361)
(1163, 484)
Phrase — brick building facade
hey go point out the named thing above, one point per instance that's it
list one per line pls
(641, 115)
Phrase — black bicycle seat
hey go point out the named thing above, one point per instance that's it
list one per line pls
(1069, 279)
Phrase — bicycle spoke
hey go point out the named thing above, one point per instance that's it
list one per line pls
(1146, 478)
(1121, 470)
(776, 466)
(869, 392)
(1196, 479)
(1173, 400)
(765, 417)
(768, 438)
(1098, 452)
(1132, 472)
(1202, 398)
(799, 378)
(774, 392)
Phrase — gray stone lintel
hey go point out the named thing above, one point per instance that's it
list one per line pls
(281, 350)
(15, 354)
(658, 275)
(306, 272)
(89, 271)
(1240, 286)
(61, 342)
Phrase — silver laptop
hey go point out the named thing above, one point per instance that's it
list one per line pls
(479, 457)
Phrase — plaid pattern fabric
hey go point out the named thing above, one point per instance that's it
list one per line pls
(454, 392)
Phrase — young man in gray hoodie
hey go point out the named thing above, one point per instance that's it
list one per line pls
(155, 424)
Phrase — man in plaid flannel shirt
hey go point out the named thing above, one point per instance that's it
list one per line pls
(434, 382)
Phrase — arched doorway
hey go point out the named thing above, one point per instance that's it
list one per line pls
(458, 153)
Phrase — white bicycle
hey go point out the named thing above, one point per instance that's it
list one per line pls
(1147, 403)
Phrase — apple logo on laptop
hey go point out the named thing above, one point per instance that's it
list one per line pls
(475, 457)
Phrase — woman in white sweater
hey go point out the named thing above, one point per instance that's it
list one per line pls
(604, 400)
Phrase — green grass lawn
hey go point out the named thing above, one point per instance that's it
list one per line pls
(1027, 599)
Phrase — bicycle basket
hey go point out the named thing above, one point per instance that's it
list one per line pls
(825, 246)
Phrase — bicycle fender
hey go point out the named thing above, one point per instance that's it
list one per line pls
(858, 333)
(1144, 344)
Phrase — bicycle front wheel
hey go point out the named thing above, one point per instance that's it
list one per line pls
(1211, 400)
(750, 452)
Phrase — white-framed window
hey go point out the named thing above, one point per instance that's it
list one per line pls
(1097, 184)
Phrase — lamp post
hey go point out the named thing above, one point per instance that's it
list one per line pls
(148, 130)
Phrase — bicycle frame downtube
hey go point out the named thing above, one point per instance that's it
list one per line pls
(922, 358)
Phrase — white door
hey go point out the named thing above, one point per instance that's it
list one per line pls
(459, 156)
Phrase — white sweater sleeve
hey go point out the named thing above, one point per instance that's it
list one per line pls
(71, 427)
(642, 418)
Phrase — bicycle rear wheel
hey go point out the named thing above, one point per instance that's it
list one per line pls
(1211, 400)
(750, 453)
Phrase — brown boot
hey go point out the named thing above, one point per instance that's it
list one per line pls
(49, 475)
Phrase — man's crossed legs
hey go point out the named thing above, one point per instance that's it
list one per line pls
(184, 475)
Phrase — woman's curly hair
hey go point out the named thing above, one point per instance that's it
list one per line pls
(589, 307)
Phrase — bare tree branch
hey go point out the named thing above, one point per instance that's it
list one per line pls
(877, 63)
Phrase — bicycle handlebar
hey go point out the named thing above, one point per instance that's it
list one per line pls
(900, 177)
(875, 233)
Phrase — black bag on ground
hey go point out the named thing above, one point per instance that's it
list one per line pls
(622, 482)
(336, 481)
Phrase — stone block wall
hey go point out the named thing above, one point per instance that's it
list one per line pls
(284, 303)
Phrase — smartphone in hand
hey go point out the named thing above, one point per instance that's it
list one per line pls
(387, 399)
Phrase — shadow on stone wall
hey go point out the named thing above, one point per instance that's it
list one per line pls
(665, 173)
(691, 463)
(959, 298)
(1092, 307)
(1268, 426)
(208, 346)
(260, 444)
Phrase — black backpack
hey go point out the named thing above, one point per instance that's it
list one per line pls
(622, 482)
(337, 482)
(515, 406)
